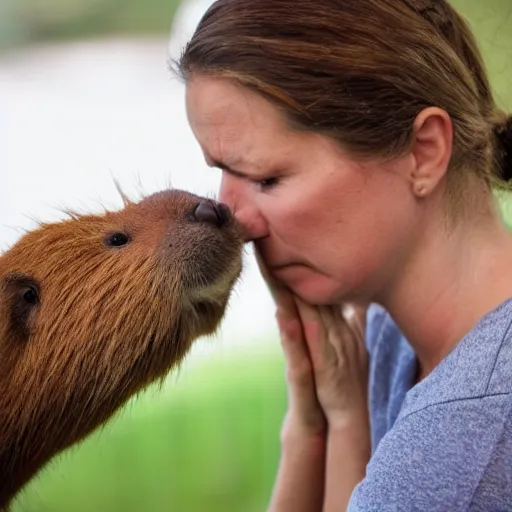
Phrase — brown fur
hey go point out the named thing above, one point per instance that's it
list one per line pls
(108, 320)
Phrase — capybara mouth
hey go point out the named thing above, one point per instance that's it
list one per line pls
(96, 307)
(208, 301)
(207, 311)
(214, 267)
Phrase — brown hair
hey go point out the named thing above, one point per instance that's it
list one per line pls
(360, 71)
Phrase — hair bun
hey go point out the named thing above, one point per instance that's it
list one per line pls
(503, 133)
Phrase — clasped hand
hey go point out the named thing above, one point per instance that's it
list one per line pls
(326, 362)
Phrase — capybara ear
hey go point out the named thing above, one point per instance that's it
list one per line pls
(20, 296)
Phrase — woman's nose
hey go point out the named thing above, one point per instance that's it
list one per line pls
(246, 212)
(253, 224)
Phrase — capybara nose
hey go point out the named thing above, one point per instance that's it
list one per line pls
(214, 213)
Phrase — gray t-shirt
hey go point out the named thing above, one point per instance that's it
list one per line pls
(444, 444)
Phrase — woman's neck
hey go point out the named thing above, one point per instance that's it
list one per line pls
(451, 281)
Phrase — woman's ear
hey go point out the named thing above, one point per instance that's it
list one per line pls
(432, 141)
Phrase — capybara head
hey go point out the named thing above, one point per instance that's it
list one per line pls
(94, 308)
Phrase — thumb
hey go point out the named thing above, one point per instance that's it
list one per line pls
(282, 296)
(299, 371)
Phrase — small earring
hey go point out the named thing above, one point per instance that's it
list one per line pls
(420, 189)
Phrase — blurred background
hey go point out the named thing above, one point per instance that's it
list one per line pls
(85, 97)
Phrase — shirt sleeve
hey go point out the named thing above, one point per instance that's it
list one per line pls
(434, 459)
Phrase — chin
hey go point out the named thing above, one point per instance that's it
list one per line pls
(310, 285)
(319, 291)
(315, 297)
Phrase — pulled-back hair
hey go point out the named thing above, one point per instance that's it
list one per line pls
(360, 71)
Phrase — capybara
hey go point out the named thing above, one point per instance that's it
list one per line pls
(96, 307)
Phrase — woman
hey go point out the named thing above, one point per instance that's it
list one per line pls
(360, 143)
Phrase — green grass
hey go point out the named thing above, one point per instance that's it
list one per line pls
(132, 17)
(491, 21)
(24, 22)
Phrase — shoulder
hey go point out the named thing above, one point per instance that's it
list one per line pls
(479, 366)
(449, 456)
(451, 444)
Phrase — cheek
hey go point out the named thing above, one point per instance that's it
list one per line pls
(354, 226)
(374, 237)
(310, 217)
(296, 224)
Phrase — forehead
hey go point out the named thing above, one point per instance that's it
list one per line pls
(231, 121)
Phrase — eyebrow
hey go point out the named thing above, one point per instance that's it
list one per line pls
(227, 168)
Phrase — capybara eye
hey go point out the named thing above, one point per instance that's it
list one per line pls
(117, 239)
(30, 296)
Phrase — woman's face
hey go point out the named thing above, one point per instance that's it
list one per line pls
(330, 227)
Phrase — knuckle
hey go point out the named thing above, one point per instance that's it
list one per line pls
(290, 329)
(313, 329)
(299, 374)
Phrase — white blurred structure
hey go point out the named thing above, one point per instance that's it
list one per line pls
(186, 18)
(75, 115)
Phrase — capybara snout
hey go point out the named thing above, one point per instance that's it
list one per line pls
(95, 307)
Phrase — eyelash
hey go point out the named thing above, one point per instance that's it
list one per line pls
(267, 183)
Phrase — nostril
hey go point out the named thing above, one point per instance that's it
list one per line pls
(208, 211)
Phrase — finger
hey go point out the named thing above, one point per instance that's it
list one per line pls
(301, 383)
(345, 336)
(355, 318)
(262, 265)
(337, 330)
(292, 340)
(331, 317)
(328, 316)
(280, 293)
(321, 351)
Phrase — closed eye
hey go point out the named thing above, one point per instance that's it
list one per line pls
(264, 185)
(267, 183)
